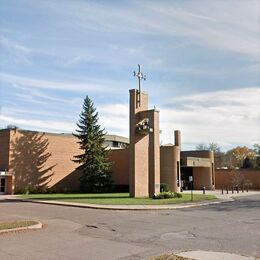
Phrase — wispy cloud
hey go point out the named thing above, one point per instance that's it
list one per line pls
(58, 85)
(44, 125)
(232, 26)
(38, 96)
(13, 45)
(189, 49)
(15, 51)
(17, 112)
(227, 117)
(114, 117)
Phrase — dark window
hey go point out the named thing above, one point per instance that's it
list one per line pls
(2, 185)
(178, 173)
(115, 144)
(212, 166)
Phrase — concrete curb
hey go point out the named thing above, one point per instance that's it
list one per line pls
(35, 226)
(128, 207)
(220, 199)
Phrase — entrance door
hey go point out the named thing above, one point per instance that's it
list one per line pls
(2, 185)
(185, 173)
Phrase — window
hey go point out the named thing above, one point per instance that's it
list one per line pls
(212, 168)
(178, 173)
(2, 185)
(115, 144)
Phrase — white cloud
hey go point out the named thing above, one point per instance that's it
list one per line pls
(58, 85)
(37, 96)
(228, 117)
(227, 25)
(14, 45)
(17, 53)
(105, 39)
(47, 125)
(114, 118)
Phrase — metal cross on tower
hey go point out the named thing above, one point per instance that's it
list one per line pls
(140, 76)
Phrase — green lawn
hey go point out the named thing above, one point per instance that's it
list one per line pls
(170, 257)
(16, 224)
(115, 198)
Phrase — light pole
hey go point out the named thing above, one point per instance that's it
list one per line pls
(191, 187)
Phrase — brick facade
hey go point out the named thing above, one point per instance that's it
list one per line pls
(225, 178)
(45, 159)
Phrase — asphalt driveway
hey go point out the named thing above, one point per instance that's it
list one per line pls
(79, 233)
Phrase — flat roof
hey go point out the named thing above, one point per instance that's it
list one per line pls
(108, 137)
(117, 138)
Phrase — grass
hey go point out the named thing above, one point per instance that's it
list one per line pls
(115, 198)
(16, 224)
(170, 257)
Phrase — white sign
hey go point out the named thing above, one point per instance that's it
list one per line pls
(190, 178)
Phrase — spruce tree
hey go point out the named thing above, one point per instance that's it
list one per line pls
(94, 166)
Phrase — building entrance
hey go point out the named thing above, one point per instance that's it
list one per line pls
(2, 185)
(185, 173)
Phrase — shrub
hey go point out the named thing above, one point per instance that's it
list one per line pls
(23, 191)
(177, 195)
(36, 190)
(51, 190)
(167, 195)
(164, 187)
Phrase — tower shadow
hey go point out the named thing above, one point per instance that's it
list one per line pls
(29, 161)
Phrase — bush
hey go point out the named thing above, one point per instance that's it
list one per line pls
(51, 190)
(167, 195)
(164, 187)
(36, 190)
(66, 190)
(177, 195)
(22, 191)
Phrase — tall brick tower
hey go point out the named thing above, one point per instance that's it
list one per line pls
(144, 146)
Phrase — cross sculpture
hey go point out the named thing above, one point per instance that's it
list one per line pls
(140, 76)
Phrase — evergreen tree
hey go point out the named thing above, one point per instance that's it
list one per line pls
(94, 165)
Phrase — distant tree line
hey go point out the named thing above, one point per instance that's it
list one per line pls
(237, 157)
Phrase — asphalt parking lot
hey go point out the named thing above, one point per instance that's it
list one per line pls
(79, 233)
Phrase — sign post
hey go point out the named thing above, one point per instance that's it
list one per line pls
(191, 187)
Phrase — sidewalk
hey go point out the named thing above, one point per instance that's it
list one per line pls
(210, 255)
(230, 195)
(220, 199)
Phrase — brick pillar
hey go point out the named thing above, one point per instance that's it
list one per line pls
(154, 153)
(138, 150)
(177, 151)
(177, 138)
(144, 172)
(213, 178)
(9, 184)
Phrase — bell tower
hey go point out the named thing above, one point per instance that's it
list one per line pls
(144, 144)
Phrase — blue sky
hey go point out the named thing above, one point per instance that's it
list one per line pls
(201, 59)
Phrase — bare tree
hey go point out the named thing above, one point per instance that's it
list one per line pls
(201, 147)
(218, 155)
